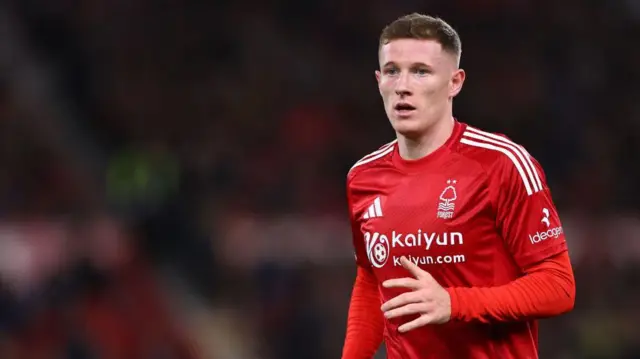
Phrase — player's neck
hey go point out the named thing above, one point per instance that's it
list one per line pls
(436, 136)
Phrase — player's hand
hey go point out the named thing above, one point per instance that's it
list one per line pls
(427, 298)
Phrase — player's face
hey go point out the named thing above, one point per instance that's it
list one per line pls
(417, 82)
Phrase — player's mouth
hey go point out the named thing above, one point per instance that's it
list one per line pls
(404, 109)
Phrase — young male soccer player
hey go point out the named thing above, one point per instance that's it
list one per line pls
(458, 243)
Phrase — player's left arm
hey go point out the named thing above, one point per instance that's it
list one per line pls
(532, 231)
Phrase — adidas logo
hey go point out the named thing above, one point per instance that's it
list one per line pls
(375, 210)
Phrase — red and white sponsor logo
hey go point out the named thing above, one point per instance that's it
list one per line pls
(540, 236)
(544, 235)
(379, 246)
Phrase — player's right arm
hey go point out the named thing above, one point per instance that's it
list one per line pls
(365, 323)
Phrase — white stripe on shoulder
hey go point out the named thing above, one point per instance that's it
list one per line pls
(526, 180)
(383, 151)
(379, 150)
(518, 149)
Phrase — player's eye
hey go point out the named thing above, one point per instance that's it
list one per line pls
(422, 71)
(391, 71)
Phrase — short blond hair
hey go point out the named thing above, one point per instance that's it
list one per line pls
(423, 27)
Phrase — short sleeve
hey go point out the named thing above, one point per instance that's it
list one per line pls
(527, 217)
(360, 252)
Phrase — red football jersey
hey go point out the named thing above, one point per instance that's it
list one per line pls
(474, 213)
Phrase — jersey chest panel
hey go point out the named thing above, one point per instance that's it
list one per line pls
(443, 222)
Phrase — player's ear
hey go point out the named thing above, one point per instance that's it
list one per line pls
(378, 76)
(457, 80)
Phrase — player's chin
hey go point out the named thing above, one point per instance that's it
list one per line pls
(407, 127)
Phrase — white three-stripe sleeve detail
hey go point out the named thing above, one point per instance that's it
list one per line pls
(381, 149)
(516, 150)
(535, 172)
(522, 149)
(373, 158)
(508, 153)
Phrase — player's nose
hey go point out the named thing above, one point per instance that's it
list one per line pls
(403, 92)
(402, 86)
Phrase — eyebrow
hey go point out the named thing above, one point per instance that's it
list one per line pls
(415, 64)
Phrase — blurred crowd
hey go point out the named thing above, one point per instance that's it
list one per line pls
(174, 172)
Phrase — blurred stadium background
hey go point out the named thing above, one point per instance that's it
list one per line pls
(172, 172)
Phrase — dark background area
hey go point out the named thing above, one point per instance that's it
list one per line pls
(173, 172)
